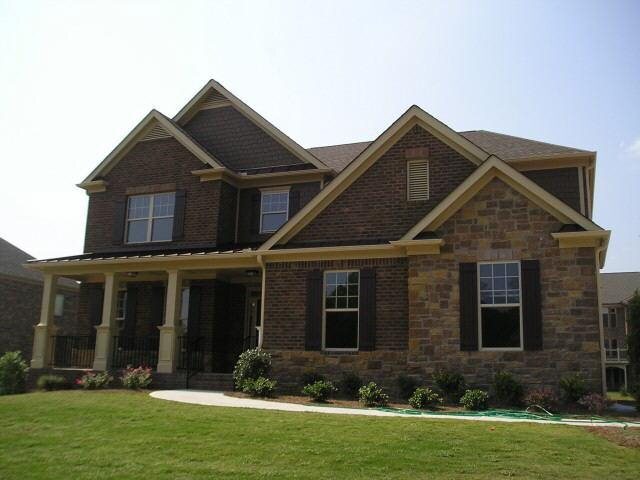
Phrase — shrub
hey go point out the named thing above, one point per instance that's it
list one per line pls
(594, 402)
(451, 384)
(573, 388)
(13, 373)
(406, 386)
(425, 398)
(259, 387)
(371, 395)
(542, 397)
(319, 391)
(52, 382)
(475, 400)
(507, 390)
(635, 393)
(350, 385)
(251, 365)
(136, 377)
(310, 377)
(93, 380)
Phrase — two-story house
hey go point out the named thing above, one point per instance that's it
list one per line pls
(423, 249)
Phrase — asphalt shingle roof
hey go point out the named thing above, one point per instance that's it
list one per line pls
(618, 287)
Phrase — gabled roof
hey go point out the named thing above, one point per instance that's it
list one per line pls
(213, 86)
(618, 287)
(339, 156)
(413, 116)
(146, 125)
(496, 168)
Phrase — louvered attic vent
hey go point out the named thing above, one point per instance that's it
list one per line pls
(418, 180)
(214, 100)
(156, 133)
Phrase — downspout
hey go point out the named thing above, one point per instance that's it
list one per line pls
(603, 358)
(262, 264)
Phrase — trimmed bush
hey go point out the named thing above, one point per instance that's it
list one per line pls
(475, 400)
(542, 397)
(350, 385)
(136, 378)
(573, 388)
(310, 377)
(507, 390)
(406, 386)
(371, 395)
(52, 382)
(13, 373)
(251, 365)
(319, 391)
(259, 387)
(93, 380)
(451, 384)
(594, 402)
(425, 399)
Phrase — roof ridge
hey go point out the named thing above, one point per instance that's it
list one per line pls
(339, 144)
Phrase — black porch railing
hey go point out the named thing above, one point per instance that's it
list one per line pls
(72, 351)
(135, 351)
(190, 354)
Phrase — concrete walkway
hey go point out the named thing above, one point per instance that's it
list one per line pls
(219, 399)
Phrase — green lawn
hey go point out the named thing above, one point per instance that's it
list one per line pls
(115, 434)
(617, 396)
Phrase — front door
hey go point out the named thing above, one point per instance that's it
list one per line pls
(253, 324)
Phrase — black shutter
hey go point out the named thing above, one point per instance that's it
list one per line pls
(178, 215)
(193, 323)
(157, 306)
(131, 307)
(468, 306)
(94, 306)
(531, 304)
(367, 327)
(119, 216)
(255, 214)
(294, 202)
(313, 326)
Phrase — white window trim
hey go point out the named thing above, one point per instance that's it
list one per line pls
(55, 306)
(419, 160)
(124, 305)
(480, 307)
(150, 218)
(324, 311)
(286, 190)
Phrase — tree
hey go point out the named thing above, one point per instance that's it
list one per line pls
(633, 339)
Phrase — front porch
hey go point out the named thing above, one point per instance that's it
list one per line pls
(174, 320)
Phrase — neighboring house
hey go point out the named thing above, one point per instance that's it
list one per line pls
(616, 289)
(20, 301)
(424, 249)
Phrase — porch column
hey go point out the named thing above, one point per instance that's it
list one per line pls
(105, 331)
(171, 329)
(45, 328)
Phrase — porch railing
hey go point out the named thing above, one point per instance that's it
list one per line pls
(616, 354)
(135, 351)
(191, 354)
(72, 351)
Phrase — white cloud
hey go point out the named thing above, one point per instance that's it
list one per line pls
(634, 148)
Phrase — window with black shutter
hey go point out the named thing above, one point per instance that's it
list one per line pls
(313, 324)
(468, 284)
(341, 309)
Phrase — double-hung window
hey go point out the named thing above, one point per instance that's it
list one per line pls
(274, 210)
(341, 310)
(150, 217)
(613, 319)
(500, 325)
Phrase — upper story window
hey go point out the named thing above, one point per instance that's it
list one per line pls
(274, 209)
(58, 309)
(150, 218)
(500, 308)
(613, 320)
(418, 180)
(341, 310)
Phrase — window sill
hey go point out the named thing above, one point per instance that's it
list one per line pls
(340, 351)
(497, 349)
(156, 242)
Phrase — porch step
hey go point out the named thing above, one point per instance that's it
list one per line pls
(211, 381)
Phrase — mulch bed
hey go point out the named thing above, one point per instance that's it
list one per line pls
(626, 437)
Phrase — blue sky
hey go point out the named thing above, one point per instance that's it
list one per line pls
(76, 76)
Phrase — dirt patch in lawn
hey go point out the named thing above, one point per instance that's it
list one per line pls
(626, 437)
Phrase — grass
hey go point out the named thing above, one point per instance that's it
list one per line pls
(619, 396)
(116, 434)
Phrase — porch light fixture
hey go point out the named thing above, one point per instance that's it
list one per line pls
(132, 274)
(251, 273)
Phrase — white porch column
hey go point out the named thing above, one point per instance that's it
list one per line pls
(105, 331)
(45, 328)
(171, 329)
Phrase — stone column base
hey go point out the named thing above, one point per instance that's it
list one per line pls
(104, 337)
(42, 345)
(168, 348)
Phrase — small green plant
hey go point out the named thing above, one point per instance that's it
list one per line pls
(259, 387)
(542, 397)
(451, 384)
(251, 365)
(406, 385)
(52, 382)
(13, 373)
(594, 402)
(425, 399)
(507, 390)
(320, 390)
(371, 395)
(92, 380)
(310, 377)
(475, 400)
(136, 378)
(350, 385)
(573, 388)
